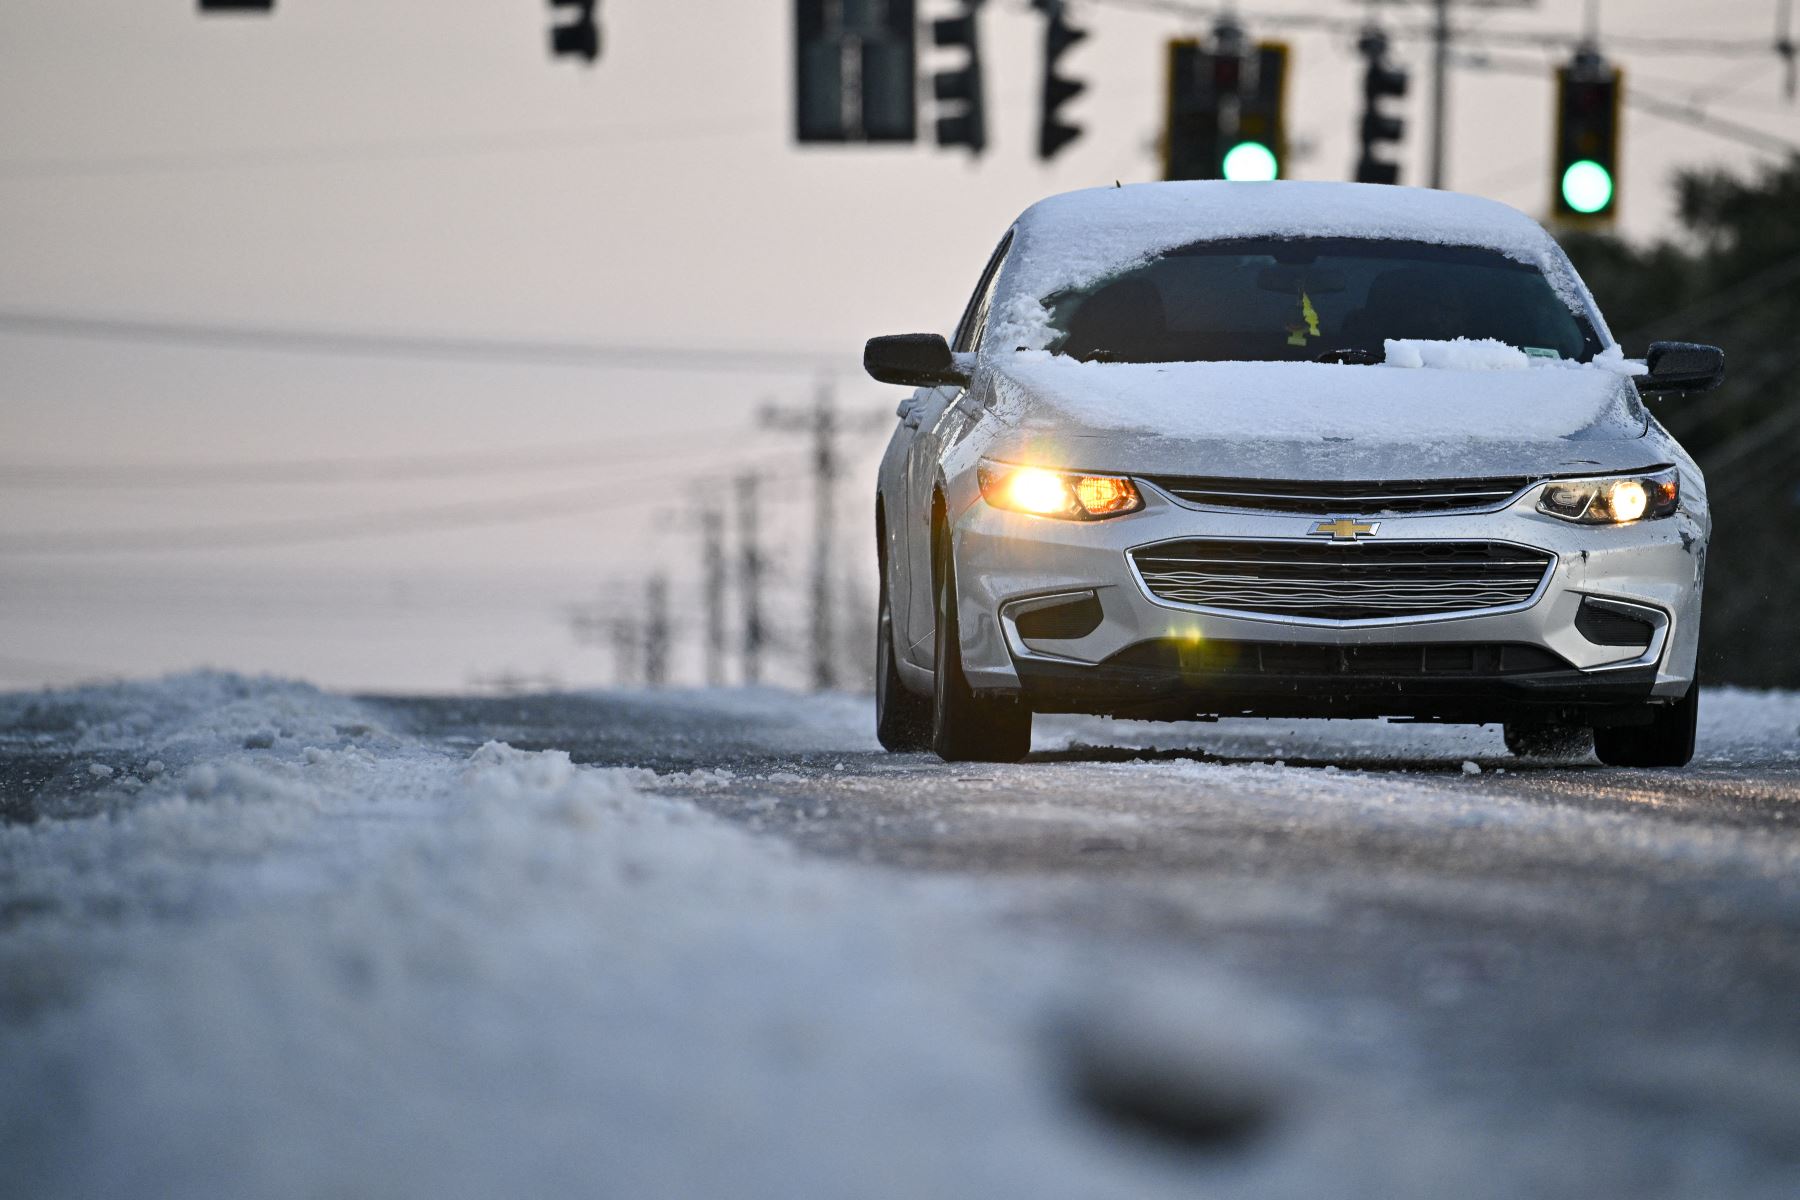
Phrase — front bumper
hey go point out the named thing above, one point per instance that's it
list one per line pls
(1148, 656)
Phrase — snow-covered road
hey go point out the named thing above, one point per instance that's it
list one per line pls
(264, 941)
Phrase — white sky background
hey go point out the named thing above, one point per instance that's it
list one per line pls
(421, 166)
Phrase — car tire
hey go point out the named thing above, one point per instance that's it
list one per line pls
(1562, 743)
(902, 720)
(1667, 741)
(966, 727)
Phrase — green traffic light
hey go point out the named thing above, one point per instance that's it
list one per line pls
(1251, 162)
(1587, 187)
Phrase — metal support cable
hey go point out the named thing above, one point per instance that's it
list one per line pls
(356, 344)
(352, 527)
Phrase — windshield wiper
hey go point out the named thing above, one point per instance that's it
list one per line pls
(1352, 355)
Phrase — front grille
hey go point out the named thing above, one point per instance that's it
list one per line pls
(1339, 581)
(1367, 498)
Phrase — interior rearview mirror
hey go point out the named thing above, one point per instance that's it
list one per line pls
(913, 360)
(1682, 367)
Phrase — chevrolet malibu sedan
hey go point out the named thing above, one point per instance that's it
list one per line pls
(1286, 449)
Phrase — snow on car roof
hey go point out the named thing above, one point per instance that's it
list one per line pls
(1074, 239)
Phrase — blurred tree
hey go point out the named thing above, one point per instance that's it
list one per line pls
(1731, 277)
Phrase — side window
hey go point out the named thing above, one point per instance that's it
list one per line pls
(974, 318)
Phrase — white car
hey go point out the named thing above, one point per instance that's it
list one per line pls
(1286, 449)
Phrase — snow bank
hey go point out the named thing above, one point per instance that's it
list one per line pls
(1075, 239)
(401, 972)
(342, 962)
(1310, 401)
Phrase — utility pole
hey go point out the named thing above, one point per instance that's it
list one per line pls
(712, 572)
(1440, 83)
(750, 578)
(656, 631)
(821, 421)
(625, 649)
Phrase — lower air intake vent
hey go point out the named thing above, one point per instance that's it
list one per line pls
(1076, 619)
(1605, 626)
(1431, 660)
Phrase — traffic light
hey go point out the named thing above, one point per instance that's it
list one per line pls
(962, 119)
(1258, 146)
(1380, 80)
(580, 36)
(855, 71)
(1053, 132)
(1226, 114)
(1584, 184)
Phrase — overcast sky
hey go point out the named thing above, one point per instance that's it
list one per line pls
(421, 166)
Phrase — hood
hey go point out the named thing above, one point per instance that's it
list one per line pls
(1280, 420)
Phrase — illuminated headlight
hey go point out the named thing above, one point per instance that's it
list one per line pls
(1613, 500)
(1064, 494)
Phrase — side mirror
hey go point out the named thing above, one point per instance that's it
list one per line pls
(913, 360)
(1682, 367)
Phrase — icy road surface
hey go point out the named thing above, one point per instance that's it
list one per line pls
(262, 941)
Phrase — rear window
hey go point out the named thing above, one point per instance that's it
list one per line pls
(1303, 299)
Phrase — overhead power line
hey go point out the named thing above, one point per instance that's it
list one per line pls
(1643, 43)
(1685, 113)
(355, 344)
(384, 150)
(1737, 296)
(389, 469)
(614, 496)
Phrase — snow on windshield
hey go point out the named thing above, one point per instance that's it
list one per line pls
(1486, 354)
(1079, 238)
(1527, 399)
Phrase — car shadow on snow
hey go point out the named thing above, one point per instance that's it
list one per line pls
(1084, 752)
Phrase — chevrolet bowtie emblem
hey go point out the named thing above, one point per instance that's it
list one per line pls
(1344, 529)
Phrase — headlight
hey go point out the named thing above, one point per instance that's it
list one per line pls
(1613, 500)
(1064, 494)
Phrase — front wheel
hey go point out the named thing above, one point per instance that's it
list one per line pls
(902, 720)
(1667, 741)
(966, 727)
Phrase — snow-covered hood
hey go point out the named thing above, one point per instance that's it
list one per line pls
(1316, 420)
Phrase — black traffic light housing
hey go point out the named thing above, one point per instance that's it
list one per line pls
(1053, 132)
(1378, 128)
(1226, 104)
(962, 116)
(1585, 169)
(855, 72)
(579, 35)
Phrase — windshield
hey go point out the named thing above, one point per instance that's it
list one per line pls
(1304, 299)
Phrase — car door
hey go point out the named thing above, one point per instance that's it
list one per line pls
(936, 418)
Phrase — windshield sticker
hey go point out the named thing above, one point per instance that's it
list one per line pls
(1297, 334)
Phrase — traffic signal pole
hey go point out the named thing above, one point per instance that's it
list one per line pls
(1440, 87)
